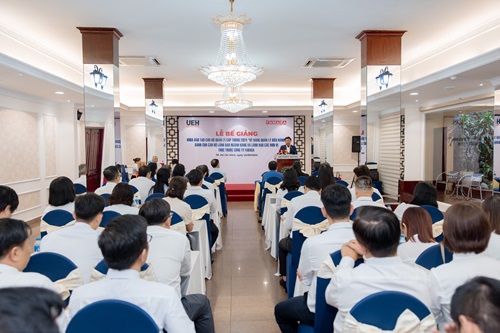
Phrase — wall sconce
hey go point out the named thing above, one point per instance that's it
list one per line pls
(322, 106)
(98, 77)
(79, 114)
(384, 78)
(153, 107)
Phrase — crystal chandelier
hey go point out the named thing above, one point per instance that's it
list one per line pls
(233, 66)
(233, 100)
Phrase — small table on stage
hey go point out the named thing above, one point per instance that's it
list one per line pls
(285, 161)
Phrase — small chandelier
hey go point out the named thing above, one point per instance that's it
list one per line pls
(98, 77)
(322, 106)
(153, 107)
(233, 66)
(233, 100)
(384, 78)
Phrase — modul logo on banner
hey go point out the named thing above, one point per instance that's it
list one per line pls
(275, 122)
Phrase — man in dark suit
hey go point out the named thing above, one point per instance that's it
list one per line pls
(290, 149)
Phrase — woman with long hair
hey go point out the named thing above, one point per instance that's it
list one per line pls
(298, 169)
(491, 208)
(416, 225)
(325, 175)
(424, 194)
(61, 195)
(175, 197)
(290, 183)
(121, 200)
(161, 184)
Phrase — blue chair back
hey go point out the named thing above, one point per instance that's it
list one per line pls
(302, 180)
(103, 268)
(382, 309)
(309, 215)
(222, 190)
(436, 216)
(289, 196)
(342, 182)
(197, 201)
(52, 265)
(353, 215)
(203, 186)
(105, 196)
(209, 179)
(58, 218)
(176, 218)
(375, 197)
(108, 216)
(337, 256)
(112, 316)
(80, 189)
(432, 257)
(134, 189)
(155, 195)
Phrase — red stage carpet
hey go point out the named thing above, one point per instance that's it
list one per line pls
(240, 192)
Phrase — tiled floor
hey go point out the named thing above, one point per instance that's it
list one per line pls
(243, 289)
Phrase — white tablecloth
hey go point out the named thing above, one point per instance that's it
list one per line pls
(195, 284)
(218, 200)
(268, 216)
(200, 229)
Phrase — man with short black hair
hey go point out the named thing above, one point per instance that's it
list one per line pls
(78, 242)
(364, 190)
(337, 208)
(8, 201)
(124, 245)
(170, 256)
(15, 252)
(288, 147)
(216, 168)
(143, 183)
(272, 166)
(377, 232)
(112, 176)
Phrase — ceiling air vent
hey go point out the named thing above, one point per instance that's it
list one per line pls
(150, 61)
(327, 62)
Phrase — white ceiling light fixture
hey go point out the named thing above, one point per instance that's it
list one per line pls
(233, 66)
(233, 100)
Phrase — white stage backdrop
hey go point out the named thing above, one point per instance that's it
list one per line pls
(243, 146)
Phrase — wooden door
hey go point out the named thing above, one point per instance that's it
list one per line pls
(94, 138)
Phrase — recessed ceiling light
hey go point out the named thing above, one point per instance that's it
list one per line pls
(453, 77)
(59, 92)
(449, 87)
(323, 121)
(416, 100)
(211, 111)
(354, 110)
(264, 111)
(69, 100)
(481, 84)
(414, 94)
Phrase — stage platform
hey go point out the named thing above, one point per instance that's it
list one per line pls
(240, 192)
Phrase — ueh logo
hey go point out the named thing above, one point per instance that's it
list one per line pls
(275, 122)
(192, 122)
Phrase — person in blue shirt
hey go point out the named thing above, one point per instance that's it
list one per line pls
(272, 166)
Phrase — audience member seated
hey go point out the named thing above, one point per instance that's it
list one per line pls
(475, 307)
(61, 195)
(466, 233)
(82, 175)
(175, 198)
(216, 168)
(311, 197)
(9, 201)
(416, 225)
(195, 179)
(325, 175)
(135, 167)
(272, 166)
(363, 190)
(204, 171)
(29, 310)
(78, 242)
(161, 184)
(361, 170)
(179, 170)
(121, 200)
(423, 194)
(377, 234)
(152, 170)
(15, 252)
(491, 207)
(124, 246)
(112, 176)
(143, 182)
(170, 256)
(290, 183)
(337, 208)
(298, 169)
(173, 164)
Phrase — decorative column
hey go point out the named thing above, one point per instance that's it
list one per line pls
(496, 137)
(155, 130)
(322, 98)
(101, 97)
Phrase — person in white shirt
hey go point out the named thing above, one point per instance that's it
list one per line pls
(9, 201)
(361, 170)
(170, 256)
(204, 170)
(491, 207)
(121, 200)
(363, 190)
(61, 195)
(337, 208)
(377, 234)
(124, 246)
(311, 197)
(416, 225)
(15, 251)
(175, 198)
(290, 183)
(82, 175)
(195, 179)
(466, 234)
(78, 242)
(423, 194)
(143, 183)
(112, 176)
(216, 168)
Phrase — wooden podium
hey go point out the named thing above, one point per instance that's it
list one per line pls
(285, 161)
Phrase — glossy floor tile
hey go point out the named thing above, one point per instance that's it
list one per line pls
(243, 290)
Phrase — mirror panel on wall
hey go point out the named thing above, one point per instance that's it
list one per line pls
(155, 130)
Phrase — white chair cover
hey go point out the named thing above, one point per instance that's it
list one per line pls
(217, 182)
(179, 227)
(48, 228)
(285, 203)
(407, 322)
(327, 268)
(200, 212)
(148, 274)
(70, 282)
(272, 188)
(309, 230)
(437, 228)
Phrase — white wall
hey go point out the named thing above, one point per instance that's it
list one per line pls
(414, 145)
